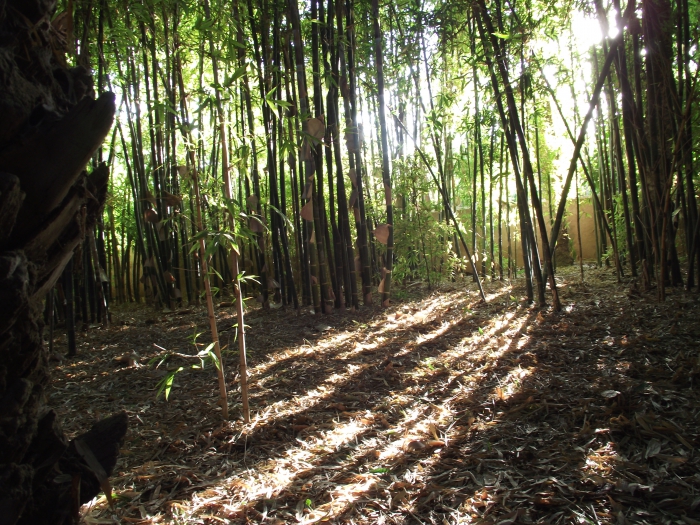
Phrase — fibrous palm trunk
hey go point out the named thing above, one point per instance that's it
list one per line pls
(47, 202)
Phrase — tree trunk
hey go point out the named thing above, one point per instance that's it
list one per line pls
(385, 285)
(51, 128)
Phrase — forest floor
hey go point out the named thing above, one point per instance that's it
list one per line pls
(440, 409)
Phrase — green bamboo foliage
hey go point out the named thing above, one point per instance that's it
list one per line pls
(367, 146)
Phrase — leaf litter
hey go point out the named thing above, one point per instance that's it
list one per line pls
(439, 409)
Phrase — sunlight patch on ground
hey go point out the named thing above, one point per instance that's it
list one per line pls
(336, 381)
(422, 428)
(498, 336)
(511, 383)
(408, 316)
(504, 289)
(440, 414)
(271, 478)
(408, 435)
(360, 450)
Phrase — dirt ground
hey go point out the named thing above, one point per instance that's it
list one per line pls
(440, 409)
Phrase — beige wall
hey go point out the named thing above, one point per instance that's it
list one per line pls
(569, 228)
(587, 228)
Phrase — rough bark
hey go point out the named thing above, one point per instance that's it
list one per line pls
(51, 127)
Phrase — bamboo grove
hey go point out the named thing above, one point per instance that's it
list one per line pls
(331, 150)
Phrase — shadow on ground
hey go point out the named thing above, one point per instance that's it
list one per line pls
(440, 409)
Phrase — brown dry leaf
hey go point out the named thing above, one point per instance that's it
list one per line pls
(252, 202)
(353, 198)
(370, 397)
(127, 359)
(171, 200)
(160, 230)
(381, 233)
(306, 151)
(414, 445)
(307, 211)
(350, 141)
(255, 225)
(317, 128)
(308, 191)
(148, 196)
(89, 520)
(352, 174)
(433, 429)
(499, 393)
(150, 215)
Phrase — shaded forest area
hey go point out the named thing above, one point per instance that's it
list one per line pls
(440, 257)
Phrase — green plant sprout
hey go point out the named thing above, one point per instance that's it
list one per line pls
(165, 385)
